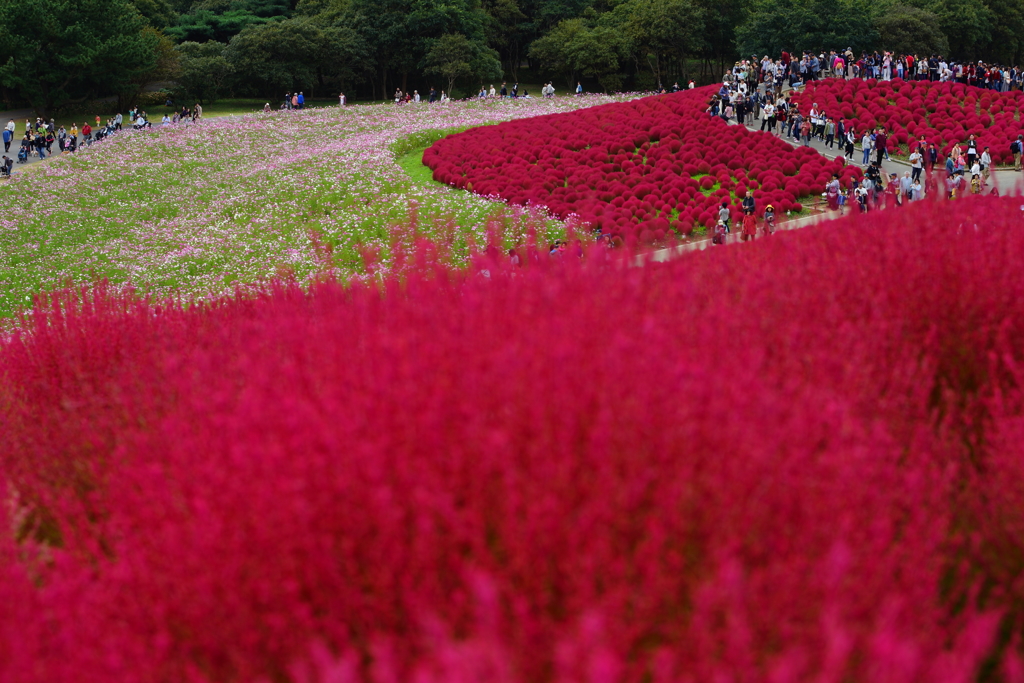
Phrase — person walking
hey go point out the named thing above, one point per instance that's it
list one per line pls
(881, 140)
(1017, 147)
(7, 140)
(865, 146)
(986, 165)
(850, 137)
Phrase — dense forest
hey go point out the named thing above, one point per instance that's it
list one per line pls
(54, 53)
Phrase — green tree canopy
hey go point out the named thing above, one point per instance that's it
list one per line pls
(576, 47)
(660, 29)
(819, 25)
(50, 61)
(296, 54)
(220, 20)
(455, 57)
(909, 30)
(203, 70)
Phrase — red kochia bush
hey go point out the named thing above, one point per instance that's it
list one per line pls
(663, 150)
(792, 461)
(943, 113)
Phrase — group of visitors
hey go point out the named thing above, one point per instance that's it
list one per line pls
(749, 228)
(879, 65)
(40, 136)
(505, 92)
(414, 96)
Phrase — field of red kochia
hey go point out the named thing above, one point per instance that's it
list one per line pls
(647, 169)
(797, 460)
(942, 113)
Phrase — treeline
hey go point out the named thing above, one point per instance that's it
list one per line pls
(54, 53)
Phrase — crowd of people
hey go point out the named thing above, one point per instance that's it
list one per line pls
(882, 66)
(755, 90)
(505, 92)
(40, 136)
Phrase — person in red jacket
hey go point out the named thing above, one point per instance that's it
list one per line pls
(87, 132)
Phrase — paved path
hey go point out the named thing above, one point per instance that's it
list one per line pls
(1004, 178)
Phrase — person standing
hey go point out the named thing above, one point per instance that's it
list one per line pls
(906, 182)
(769, 220)
(749, 227)
(768, 120)
(972, 151)
(881, 140)
(749, 204)
(7, 140)
(865, 145)
(832, 189)
(916, 163)
(723, 215)
(986, 165)
(850, 137)
(1017, 147)
(302, 101)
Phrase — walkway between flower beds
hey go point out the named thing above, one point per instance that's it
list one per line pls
(1004, 177)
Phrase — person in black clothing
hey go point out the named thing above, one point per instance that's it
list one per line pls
(749, 205)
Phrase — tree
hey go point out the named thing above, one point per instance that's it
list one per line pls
(507, 30)
(657, 29)
(158, 13)
(203, 70)
(575, 47)
(968, 26)
(453, 56)
(909, 30)
(50, 61)
(383, 24)
(819, 25)
(166, 67)
(296, 54)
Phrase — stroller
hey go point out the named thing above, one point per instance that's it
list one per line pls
(23, 155)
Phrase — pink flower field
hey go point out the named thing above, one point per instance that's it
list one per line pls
(943, 113)
(204, 209)
(646, 169)
(797, 460)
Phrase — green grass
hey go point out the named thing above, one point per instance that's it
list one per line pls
(412, 163)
